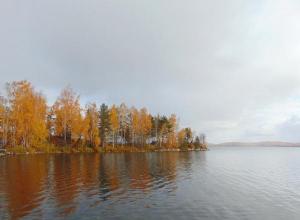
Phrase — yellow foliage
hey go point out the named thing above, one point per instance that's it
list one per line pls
(68, 115)
(91, 121)
(26, 122)
(28, 112)
(114, 120)
(145, 122)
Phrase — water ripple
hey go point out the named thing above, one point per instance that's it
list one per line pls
(231, 183)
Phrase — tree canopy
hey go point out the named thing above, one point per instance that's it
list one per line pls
(26, 120)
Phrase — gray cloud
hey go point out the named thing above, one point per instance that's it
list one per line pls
(219, 65)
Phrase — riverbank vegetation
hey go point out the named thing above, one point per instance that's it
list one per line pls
(29, 125)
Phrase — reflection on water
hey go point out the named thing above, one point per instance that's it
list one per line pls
(61, 183)
(224, 183)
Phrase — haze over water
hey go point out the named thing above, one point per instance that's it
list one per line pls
(223, 183)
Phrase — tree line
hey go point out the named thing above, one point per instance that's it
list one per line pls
(26, 120)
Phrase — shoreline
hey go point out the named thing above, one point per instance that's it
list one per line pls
(103, 151)
(69, 150)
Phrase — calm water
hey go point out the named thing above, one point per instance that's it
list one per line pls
(223, 183)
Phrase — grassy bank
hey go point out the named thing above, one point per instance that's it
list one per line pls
(50, 149)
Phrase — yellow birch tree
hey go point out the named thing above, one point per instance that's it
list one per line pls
(68, 115)
(114, 122)
(28, 114)
(91, 121)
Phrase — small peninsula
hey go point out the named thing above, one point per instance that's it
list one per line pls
(29, 125)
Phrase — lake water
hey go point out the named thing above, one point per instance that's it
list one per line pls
(223, 183)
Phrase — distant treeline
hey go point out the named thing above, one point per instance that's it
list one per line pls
(27, 121)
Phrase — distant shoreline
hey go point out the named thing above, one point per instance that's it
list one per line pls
(256, 144)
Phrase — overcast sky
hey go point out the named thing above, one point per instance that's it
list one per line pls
(228, 68)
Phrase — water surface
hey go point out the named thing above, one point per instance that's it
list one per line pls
(223, 183)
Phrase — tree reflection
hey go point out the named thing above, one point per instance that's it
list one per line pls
(68, 182)
(25, 178)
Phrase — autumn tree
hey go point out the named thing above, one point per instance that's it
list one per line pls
(185, 138)
(145, 125)
(91, 121)
(114, 122)
(164, 130)
(26, 120)
(104, 123)
(155, 121)
(4, 121)
(171, 131)
(68, 115)
(27, 113)
(50, 123)
(123, 113)
(181, 138)
(189, 135)
(134, 121)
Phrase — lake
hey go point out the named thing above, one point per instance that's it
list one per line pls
(223, 183)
